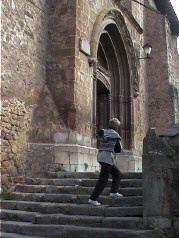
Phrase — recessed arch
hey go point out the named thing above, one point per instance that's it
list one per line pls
(111, 39)
(114, 16)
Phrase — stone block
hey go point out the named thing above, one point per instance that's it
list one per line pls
(73, 168)
(61, 137)
(66, 148)
(157, 222)
(87, 140)
(81, 168)
(93, 151)
(123, 165)
(89, 160)
(72, 137)
(84, 46)
(81, 158)
(67, 167)
(79, 138)
(74, 158)
(62, 158)
(132, 165)
(94, 161)
(85, 150)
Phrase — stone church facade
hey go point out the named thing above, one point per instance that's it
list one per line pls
(70, 65)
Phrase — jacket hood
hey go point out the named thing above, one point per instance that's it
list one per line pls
(107, 134)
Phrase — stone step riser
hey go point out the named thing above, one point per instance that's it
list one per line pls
(82, 182)
(72, 231)
(14, 235)
(74, 209)
(79, 199)
(73, 190)
(17, 216)
(89, 221)
(89, 175)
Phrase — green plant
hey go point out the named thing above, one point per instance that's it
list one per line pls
(86, 166)
(6, 194)
(60, 168)
(176, 233)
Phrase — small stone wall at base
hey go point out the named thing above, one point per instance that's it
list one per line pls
(128, 162)
(73, 158)
(50, 157)
(76, 158)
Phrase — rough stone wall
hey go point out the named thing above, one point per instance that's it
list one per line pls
(160, 113)
(160, 181)
(87, 12)
(28, 112)
(173, 70)
(60, 58)
(14, 122)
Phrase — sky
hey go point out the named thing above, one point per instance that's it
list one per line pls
(175, 4)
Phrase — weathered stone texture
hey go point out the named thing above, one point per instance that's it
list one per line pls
(173, 71)
(60, 58)
(89, 10)
(161, 178)
(14, 140)
(28, 112)
(161, 109)
(48, 78)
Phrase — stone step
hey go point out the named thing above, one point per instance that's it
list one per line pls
(72, 209)
(83, 199)
(73, 190)
(89, 175)
(92, 221)
(18, 215)
(15, 235)
(68, 231)
(78, 220)
(81, 182)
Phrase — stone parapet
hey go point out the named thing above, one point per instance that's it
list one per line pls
(76, 158)
(160, 179)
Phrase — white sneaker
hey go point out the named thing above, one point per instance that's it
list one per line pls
(96, 203)
(116, 195)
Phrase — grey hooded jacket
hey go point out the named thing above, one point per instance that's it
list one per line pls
(110, 143)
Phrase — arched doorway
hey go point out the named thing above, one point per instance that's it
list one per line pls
(112, 90)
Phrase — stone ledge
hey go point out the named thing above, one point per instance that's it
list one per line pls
(71, 137)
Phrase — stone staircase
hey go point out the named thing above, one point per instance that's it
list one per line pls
(57, 206)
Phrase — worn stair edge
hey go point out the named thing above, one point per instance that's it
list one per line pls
(18, 215)
(15, 235)
(88, 175)
(130, 191)
(78, 220)
(81, 182)
(70, 198)
(67, 231)
(72, 209)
